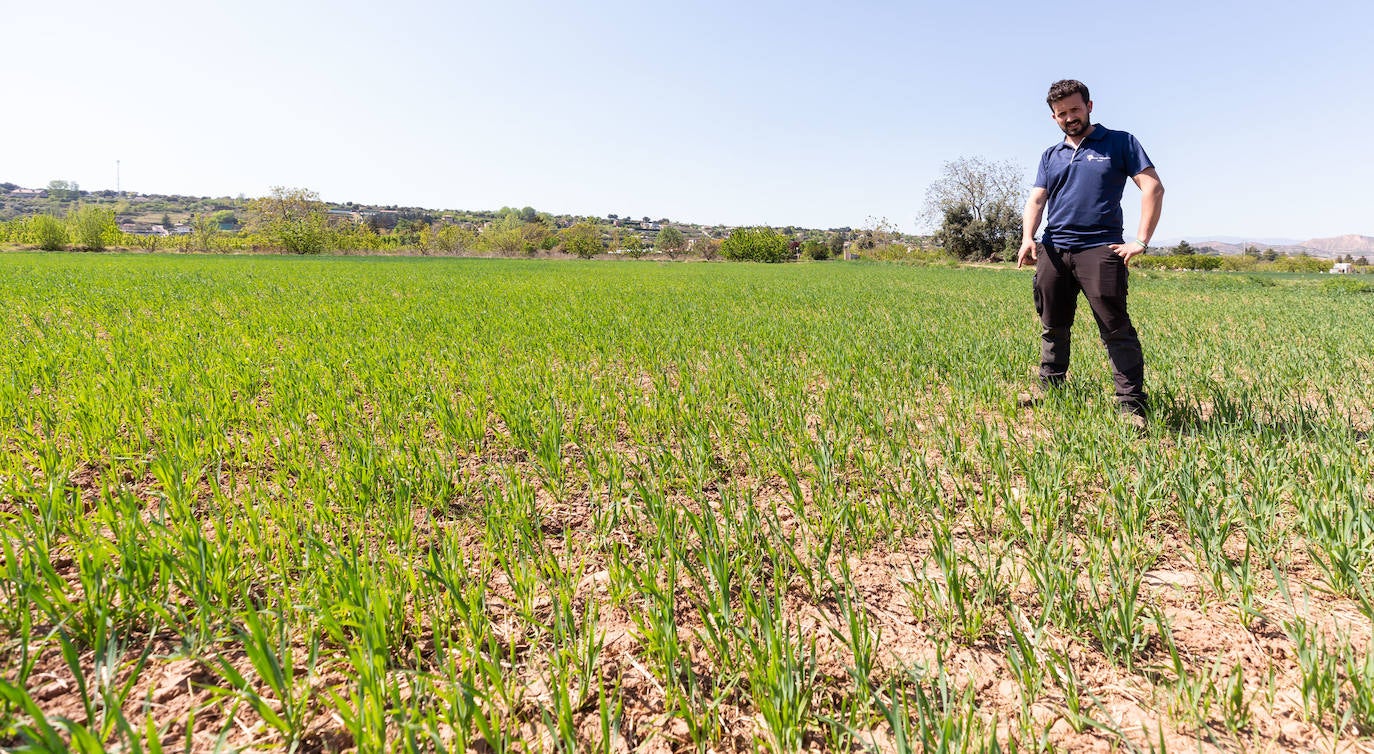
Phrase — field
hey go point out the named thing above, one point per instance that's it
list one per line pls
(259, 503)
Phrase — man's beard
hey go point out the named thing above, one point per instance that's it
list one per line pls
(1076, 128)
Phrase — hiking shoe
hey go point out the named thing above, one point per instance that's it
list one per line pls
(1134, 414)
(1038, 393)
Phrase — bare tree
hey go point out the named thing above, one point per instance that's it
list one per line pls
(975, 205)
(983, 186)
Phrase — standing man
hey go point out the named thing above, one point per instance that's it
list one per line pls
(1081, 179)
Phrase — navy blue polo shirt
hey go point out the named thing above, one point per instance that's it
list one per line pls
(1085, 187)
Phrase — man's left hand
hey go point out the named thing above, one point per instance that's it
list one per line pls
(1127, 251)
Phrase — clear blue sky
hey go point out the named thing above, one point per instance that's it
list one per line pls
(1258, 114)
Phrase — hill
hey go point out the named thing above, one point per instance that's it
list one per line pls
(1325, 248)
(1350, 244)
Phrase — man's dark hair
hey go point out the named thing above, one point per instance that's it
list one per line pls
(1066, 88)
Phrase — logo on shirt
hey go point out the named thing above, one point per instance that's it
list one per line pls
(1097, 158)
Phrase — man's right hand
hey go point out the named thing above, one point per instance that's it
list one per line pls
(1026, 254)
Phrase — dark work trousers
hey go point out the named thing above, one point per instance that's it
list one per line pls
(1101, 275)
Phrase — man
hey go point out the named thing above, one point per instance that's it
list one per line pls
(1081, 180)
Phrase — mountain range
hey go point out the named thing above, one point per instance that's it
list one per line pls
(1335, 246)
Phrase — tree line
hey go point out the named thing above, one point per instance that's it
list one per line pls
(295, 220)
(975, 204)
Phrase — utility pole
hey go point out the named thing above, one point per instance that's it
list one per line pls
(117, 191)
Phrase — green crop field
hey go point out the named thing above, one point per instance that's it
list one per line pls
(266, 503)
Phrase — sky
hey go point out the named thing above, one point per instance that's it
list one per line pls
(1256, 114)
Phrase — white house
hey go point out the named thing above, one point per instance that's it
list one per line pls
(1342, 268)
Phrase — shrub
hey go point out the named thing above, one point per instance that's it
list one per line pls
(356, 237)
(1178, 262)
(900, 252)
(49, 233)
(583, 240)
(1239, 263)
(756, 245)
(1346, 284)
(11, 230)
(671, 241)
(1301, 264)
(708, 248)
(290, 219)
(93, 228)
(453, 238)
(503, 236)
(307, 235)
(814, 248)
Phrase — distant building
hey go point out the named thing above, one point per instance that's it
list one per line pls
(1342, 268)
(140, 229)
(25, 193)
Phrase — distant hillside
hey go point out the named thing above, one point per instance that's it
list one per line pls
(171, 209)
(1326, 248)
(1352, 244)
(1238, 248)
(1322, 247)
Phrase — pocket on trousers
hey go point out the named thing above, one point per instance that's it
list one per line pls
(1122, 271)
(1035, 293)
(1111, 280)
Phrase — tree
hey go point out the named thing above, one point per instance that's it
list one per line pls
(967, 237)
(48, 232)
(166, 221)
(756, 245)
(879, 239)
(814, 248)
(1362, 262)
(583, 239)
(451, 238)
(837, 240)
(634, 245)
(93, 227)
(291, 219)
(64, 190)
(204, 232)
(1182, 249)
(671, 241)
(708, 248)
(978, 205)
(511, 235)
(225, 219)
